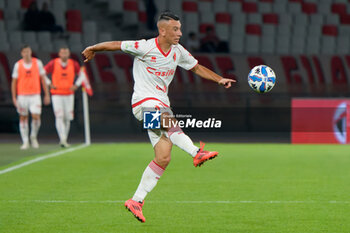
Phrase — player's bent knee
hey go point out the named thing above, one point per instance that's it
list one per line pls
(23, 118)
(36, 116)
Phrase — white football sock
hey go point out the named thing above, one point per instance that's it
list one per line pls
(24, 130)
(67, 128)
(60, 126)
(148, 181)
(35, 125)
(180, 139)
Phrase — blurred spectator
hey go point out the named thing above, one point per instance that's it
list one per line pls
(151, 11)
(192, 42)
(210, 41)
(31, 20)
(47, 20)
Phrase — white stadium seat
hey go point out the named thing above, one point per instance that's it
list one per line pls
(104, 36)
(283, 30)
(234, 7)
(252, 44)
(254, 18)
(44, 37)
(12, 25)
(205, 7)
(267, 44)
(279, 7)
(268, 30)
(264, 7)
(316, 19)
(115, 7)
(282, 45)
(15, 39)
(312, 45)
(297, 45)
(207, 17)
(13, 4)
(314, 30)
(327, 44)
(237, 43)
(332, 19)
(343, 45)
(220, 6)
(294, 7)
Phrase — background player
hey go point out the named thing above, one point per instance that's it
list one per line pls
(63, 71)
(26, 77)
(154, 67)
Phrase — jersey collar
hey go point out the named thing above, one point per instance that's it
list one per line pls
(160, 49)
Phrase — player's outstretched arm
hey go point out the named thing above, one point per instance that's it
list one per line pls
(14, 91)
(204, 72)
(46, 89)
(90, 51)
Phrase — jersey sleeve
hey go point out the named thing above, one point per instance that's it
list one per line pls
(49, 67)
(136, 48)
(186, 61)
(76, 68)
(42, 71)
(15, 71)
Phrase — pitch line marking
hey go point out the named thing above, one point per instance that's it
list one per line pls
(35, 160)
(177, 202)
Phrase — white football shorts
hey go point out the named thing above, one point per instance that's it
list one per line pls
(63, 106)
(31, 103)
(152, 105)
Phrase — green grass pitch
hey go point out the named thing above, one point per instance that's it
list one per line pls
(248, 188)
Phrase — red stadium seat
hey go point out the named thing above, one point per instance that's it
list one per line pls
(203, 27)
(253, 29)
(131, 6)
(26, 3)
(74, 21)
(339, 8)
(309, 8)
(124, 61)
(345, 19)
(223, 18)
(1, 15)
(267, 1)
(142, 17)
(250, 7)
(270, 18)
(330, 30)
(190, 6)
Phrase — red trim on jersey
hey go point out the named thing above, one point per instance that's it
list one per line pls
(160, 49)
(50, 66)
(146, 99)
(194, 65)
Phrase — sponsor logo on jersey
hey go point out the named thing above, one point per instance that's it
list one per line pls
(136, 45)
(153, 59)
(160, 73)
(174, 57)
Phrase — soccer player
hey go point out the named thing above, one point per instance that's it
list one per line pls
(63, 71)
(154, 67)
(27, 75)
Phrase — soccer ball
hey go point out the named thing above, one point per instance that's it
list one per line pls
(261, 79)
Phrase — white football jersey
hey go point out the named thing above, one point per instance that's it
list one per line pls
(153, 70)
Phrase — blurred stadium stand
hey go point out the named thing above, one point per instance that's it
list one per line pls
(279, 33)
